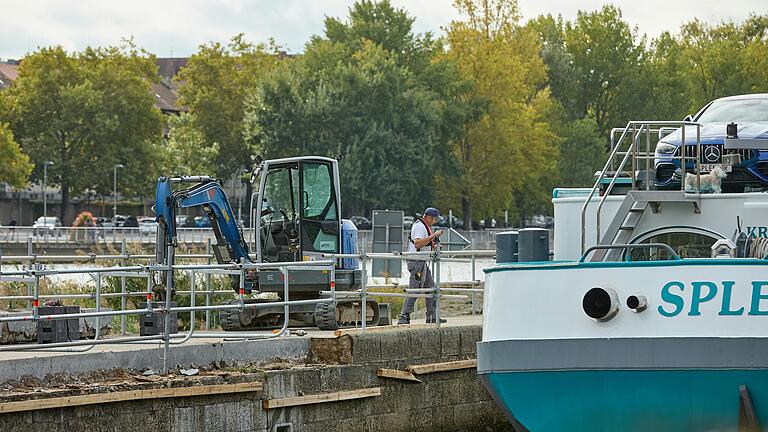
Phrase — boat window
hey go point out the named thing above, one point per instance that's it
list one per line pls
(686, 244)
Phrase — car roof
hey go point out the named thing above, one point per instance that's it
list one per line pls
(744, 97)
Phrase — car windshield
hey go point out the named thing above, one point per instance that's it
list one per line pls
(46, 220)
(739, 111)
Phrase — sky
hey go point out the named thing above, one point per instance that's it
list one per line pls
(177, 27)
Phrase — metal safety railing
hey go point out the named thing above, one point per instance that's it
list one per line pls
(628, 154)
(102, 235)
(31, 270)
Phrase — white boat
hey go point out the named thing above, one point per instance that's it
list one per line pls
(635, 326)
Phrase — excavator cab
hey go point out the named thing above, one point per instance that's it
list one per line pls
(298, 217)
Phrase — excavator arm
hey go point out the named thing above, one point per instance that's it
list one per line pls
(205, 192)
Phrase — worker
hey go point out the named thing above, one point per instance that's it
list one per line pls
(422, 238)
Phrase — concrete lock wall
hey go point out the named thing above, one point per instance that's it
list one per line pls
(453, 400)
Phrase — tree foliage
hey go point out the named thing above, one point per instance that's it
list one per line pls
(86, 112)
(16, 168)
(507, 155)
(215, 82)
(370, 91)
(186, 152)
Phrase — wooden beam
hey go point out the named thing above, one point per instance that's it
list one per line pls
(442, 367)
(123, 396)
(378, 329)
(397, 374)
(321, 398)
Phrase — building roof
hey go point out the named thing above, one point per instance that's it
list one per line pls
(169, 67)
(165, 92)
(8, 73)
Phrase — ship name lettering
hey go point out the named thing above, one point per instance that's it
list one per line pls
(674, 296)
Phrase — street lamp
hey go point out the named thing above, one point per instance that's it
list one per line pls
(45, 192)
(114, 205)
(239, 187)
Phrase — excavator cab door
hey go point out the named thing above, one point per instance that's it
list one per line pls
(320, 219)
(297, 207)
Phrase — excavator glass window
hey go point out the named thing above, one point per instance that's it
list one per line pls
(320, 220)
(280, 211)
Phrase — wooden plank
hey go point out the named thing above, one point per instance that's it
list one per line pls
(442, 367)
(396, 374)
(321, 398)
(131, 395)
(378, 329)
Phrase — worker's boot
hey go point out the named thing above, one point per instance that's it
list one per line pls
(404, 319)
(431, 320)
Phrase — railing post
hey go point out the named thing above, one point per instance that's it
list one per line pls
(208, 287)
(30, 262)
(170, 261)
(123, 297)
(682, 158)
(474, 308)
(363, 283)
(436, 294)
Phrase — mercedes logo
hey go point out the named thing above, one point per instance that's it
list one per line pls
(712, 154)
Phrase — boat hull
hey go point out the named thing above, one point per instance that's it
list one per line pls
(628, 400)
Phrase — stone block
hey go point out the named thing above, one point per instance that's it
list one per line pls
(292, 382)
(396, 345)
(366, 348)
(425, 344)
(331, 351)
(450, 343)
(470, 336)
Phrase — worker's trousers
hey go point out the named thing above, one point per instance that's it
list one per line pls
(421, 277)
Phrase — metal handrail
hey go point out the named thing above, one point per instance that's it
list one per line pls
(628, 247)
(632, 152)
(35, 273)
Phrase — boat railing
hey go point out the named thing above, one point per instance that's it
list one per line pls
(632, 155)
(629, 247)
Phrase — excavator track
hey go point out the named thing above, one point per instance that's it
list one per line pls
(345, 314)
(243, 320)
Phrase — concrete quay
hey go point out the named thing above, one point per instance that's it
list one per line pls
(405, 378)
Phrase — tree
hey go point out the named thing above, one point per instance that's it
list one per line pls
(86, 112)
(16, 168)
(371, 91)
(215, 83)
(609, 60)
(510, 151)
(186, 152)
(582, 152)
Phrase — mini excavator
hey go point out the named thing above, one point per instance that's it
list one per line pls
(296, 213)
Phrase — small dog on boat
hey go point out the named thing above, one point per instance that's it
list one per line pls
(709, 182)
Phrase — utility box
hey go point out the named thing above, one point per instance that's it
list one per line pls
(154, 323)
(506, 247)
(58, 330)
(387, 238)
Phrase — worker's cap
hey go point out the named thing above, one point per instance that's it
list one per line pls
(431, 211)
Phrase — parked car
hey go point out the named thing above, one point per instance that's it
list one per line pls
(130, 222)
(540, 221)
(408, 222)
(120, 220)
(46, 225)
(744, 167)
(147, 225)
(105, 222)
(455, 222)
(361, 222)
(202, 222)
